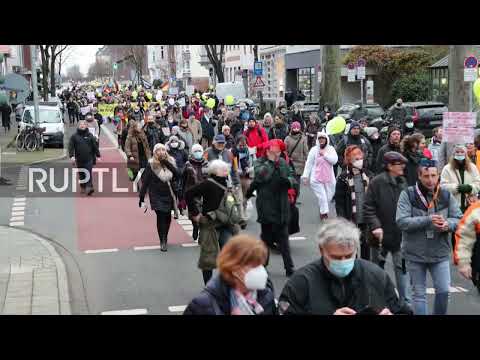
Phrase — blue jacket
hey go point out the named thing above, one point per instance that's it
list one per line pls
(215, 299)
(415, 221)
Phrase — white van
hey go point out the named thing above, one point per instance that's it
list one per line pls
(236, 89)
(50, 119)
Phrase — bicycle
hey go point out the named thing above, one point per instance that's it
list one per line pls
(30, 139)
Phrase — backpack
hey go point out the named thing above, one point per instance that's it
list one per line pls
(228, 212)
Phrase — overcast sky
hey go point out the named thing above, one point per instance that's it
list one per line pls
(83, 55)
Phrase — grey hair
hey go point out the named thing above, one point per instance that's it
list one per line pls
(217, 165)
(339, 231)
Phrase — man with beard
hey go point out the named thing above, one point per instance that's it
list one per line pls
(393, 144)
(355, 138)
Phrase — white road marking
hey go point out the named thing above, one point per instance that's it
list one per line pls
(18, 208)
(20, 199)
(178, 308)
(184, 222)
(17, 218)
(17, 223)
(100, 251)
(190, 245)
(19, 203)
(113, 140)
(126, 312)
(136, 248)
(18, 213)
(297, 238)
(187, 227)
(453, 289)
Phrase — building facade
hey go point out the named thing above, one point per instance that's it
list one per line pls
(188, 70)
(158, 64)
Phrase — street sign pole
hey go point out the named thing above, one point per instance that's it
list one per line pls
(470, 100)
(33, 57)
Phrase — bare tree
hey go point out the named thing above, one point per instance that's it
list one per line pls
(64, 56)
(215, 56)
(137, 56)
(100, 68)
(49, 54)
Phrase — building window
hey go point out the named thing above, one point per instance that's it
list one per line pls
(153, 55)
(305, 82)
(251, 49)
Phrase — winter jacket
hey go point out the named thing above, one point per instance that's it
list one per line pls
(279, 131)
(398, 114)
(215, 299)
(343, 196)
(451, 178)
(415, 222)
(380, 208)
(311, 132)
(362, 142)
(244, 160)
(83, 147)
(187, 136)
(379, 165)
(310, 166)
(132, 149)
(237, 127)
(195, 172)
(154, 135)
(156, 182)
(299, 156)
(410, 171)
(179, 154)
(256, 137)
(229, 141)
(313, 290)
(196, 128)
(211, 193)
(272, 181)
(208, 128)
(466, 235)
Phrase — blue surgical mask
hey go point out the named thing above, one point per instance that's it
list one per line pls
(459, 157)
(341, 268)
(198, 155)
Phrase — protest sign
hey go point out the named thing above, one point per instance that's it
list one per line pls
(106, 109)
(85, 110)
(458, 127)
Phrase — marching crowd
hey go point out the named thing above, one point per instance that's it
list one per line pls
(414, 199)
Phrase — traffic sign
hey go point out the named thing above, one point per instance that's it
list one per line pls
(351, 72)
(470, 69)
(361, 69)
(258, 68)
(259, 82)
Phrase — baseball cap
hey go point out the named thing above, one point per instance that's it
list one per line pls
(219, 139)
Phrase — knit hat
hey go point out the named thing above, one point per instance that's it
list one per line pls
(197, 147)
(296, 125)
(354, 124)
(391, 157)
(370, 131)
(173, 138)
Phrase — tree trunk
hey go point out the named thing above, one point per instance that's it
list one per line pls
(457, 88)
(331, 82)
(45, 69)
(52, 75)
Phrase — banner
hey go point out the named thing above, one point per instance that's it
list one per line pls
(85, 110)
(106, 109)
(91, 95)
(458, 127)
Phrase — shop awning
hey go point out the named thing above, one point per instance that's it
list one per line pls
(4, 49)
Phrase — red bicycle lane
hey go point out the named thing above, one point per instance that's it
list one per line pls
(110, 220)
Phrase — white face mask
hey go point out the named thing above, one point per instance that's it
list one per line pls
(358, 164)
(174, 145)
(256, 278)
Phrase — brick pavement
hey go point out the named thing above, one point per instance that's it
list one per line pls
(33, 279)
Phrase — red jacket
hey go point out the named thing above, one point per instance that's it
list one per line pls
(257, 137)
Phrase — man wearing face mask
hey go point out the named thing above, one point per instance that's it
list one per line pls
(355, 138)
(242, 286)
(350, 192)
(272, 180)
(338, 283)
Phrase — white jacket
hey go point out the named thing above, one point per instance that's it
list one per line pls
(330, 155)
(450, 180)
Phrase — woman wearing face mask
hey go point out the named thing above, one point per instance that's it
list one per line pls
(242, 286)
(196, 171)
(176, 149)
(350, 193)
(410, 147)
(158, 180)
(319, 170)
(461, 178)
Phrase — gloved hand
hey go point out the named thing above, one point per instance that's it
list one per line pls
(292, 194)
(464, 188)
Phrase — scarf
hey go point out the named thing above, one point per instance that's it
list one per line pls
(244, 304)
(162, 172)
(351, 185)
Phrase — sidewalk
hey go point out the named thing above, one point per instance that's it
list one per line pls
(33, 279)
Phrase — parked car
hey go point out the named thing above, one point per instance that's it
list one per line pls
(346, 110)
(374, 111)
(426, 115)
(50, 118)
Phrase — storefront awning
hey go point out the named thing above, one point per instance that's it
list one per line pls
(4, 49)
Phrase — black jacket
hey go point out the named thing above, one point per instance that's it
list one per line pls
(215, 299)
(410, 171)
(158, 190)
(313, 290)
(278, 132)
(361, 142)
(208, 131)
(343, 196)
(380, 208)
(381, 152)
(154, 134)
(83, 147)
(212, 195)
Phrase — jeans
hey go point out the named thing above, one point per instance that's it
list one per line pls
(401, 280)
(440, 272)
(224, 234)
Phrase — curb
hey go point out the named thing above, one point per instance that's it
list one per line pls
(63, 294)
(64, 156)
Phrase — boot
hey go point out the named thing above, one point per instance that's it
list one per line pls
(323, 217)
(163, 244)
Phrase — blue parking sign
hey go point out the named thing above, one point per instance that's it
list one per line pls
(258, 68)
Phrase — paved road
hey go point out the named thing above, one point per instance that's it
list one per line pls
(146, 280)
